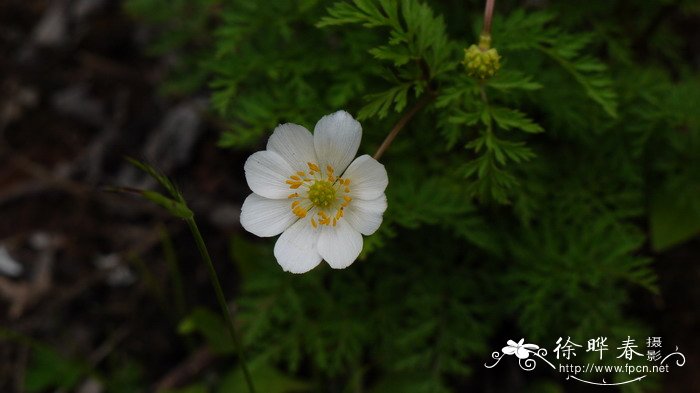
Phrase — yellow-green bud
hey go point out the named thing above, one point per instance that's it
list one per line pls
(481, 61)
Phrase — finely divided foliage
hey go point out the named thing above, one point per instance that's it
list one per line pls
(418, 47)
(510, 197)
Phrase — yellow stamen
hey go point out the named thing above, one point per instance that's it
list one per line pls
(295, 177)
(295, 195)
(313, 223)
(335, 221)
(313, 167)
(324, 220)
(293, 184)
(301, 174)
(299, 211)
(295, 204)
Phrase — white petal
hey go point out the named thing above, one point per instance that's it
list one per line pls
(336, 138)
(296, 249)
(368, 178)
(366, 216)
(266, 217)
(340, 245)
(295, 144)
(266, 173)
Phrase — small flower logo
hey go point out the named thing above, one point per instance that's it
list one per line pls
(308, 188)
(522, 351)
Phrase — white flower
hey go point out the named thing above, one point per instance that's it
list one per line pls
(307, 188)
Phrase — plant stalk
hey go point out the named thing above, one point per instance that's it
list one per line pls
(222, 300)
(488, 16)
(402, 123)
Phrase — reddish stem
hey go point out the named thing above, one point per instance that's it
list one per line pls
(429, 96)
(488, 15)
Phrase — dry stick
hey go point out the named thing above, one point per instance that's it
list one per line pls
(402, 123)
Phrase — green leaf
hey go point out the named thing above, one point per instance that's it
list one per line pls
(671, 223)
(251, 258)
(428, 202)
(267, 379)
(176, 208)
(528, 31)
(413, 25)
(490, 179)
(512, 118)
(377, 240)
(48, 369)
(362, 11)
(507, 80)
(209, 325)
(399, 382)
(465, 118)
(398, 55)
(521, 30)
(589, 73)
(175, 205)
(156, 175)
(380, 103)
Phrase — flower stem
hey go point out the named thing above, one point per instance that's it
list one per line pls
(174, 271)
(488, 16)
(402, 123)
(222, 300)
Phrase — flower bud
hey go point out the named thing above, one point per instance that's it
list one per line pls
(481, 61)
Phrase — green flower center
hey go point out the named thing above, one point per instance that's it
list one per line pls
(322, 193)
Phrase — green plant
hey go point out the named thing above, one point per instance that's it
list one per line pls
(522, 200)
